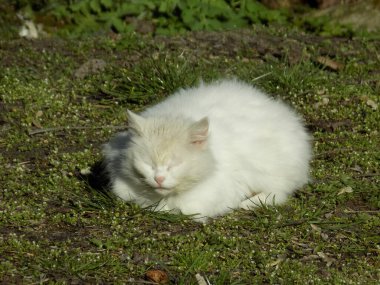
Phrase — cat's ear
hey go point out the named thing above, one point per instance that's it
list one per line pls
(135, 122)
(199, 132)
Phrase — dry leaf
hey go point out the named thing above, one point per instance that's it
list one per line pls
(39, 114)
(200, 279)
(310, 257)
(315, 228)
(85, 171)
(324, 236)
(346, 189)
(304, 245)
(357, 168)
(29, 30)
(37, 124)
(325, 258)
(321, 91)
(278, 261)
(328, 62)
(158, 276)
(325, 101)
(372, 104)
(332, 126)
(340, 236)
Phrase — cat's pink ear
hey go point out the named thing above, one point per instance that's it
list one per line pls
(135, 122)
(199, 132)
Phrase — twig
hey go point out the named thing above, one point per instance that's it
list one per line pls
(261, 76)
(141, 281)
(366, 175)
(364, 211)
(294, 223)
(57, 129)
(330, 178)
(333, 151)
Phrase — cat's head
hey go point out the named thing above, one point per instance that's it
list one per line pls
(168, 154)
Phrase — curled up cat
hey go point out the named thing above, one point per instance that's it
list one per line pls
(209, 149)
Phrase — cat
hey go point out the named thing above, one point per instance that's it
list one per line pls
(209, 149)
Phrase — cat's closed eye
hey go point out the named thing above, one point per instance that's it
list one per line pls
(138, 174)
(140, 170)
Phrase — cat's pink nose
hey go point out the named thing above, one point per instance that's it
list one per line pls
(159, 179)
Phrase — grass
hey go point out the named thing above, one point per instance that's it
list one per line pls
(56, 229)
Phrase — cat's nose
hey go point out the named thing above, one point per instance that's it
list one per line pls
(159, 179)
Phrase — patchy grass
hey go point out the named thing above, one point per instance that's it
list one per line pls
(55, 228)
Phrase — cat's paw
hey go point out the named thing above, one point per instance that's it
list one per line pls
(199, 219)
(162, 206)
(255, 201)
(247, 205)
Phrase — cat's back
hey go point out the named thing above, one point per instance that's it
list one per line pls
(214, 99)
(245, 123)
(237, 112)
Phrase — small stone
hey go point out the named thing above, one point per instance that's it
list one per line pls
(90, 67)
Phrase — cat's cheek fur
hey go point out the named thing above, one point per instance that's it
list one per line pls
(123, 190)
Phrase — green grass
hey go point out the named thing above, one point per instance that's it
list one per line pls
(56, 229)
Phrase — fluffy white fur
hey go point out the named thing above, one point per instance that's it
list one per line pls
(209, 149)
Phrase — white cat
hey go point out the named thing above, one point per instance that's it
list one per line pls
(210, 149)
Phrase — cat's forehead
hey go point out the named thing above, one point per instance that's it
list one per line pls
(158, 152)
(162, 139)
(165, 128)
(164, 146)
